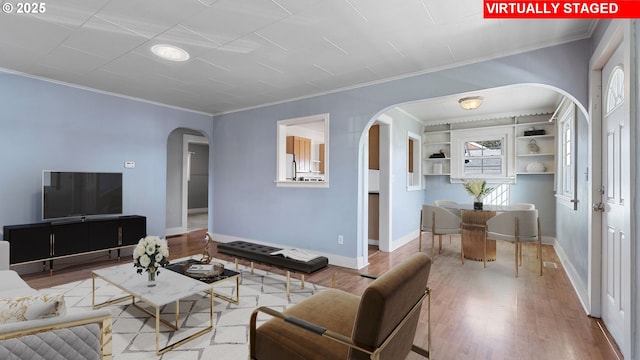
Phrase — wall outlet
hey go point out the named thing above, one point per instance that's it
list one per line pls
(340, 239)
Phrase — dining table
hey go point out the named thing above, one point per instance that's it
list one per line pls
(472, 229)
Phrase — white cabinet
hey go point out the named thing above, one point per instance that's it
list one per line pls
(535, 147)
(434, 143)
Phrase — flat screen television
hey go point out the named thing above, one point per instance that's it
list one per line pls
(77, 194)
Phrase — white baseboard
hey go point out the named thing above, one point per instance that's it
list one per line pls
(548, 240)
(352, 263)
(175, 231)
(578, 285)
(395, 244)
(197, 211)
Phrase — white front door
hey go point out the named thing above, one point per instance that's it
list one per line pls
(616, 249)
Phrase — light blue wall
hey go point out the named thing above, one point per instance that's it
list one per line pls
(50, 126)
(572, 232)
(44, 125)
(249, 205)
(406, 205)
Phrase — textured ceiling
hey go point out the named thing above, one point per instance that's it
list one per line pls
(508, 101)
(247, 53)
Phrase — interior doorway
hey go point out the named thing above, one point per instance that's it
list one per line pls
(197, 185)
(379, 186)
(374, 189)
(187, 181)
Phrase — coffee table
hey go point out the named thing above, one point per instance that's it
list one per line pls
(170, 287)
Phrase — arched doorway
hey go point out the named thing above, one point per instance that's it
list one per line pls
(187, 181)
(571, 221)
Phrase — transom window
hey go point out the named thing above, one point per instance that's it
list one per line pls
(615, 89)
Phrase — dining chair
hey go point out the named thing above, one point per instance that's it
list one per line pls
(518, 227)
(441, 203)
(521, 206)
(438, 221)
(448, 205)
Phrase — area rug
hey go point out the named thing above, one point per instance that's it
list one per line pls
(134, 331)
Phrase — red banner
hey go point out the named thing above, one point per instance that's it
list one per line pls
(504, 9)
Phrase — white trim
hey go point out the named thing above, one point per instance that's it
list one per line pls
(403, 240)
(567, 115)
(302, 184)
(175, 231)
(504, 132)
(566, 201)
(281, 144)
(385, 190)
(578, 285)
(103, 92)
(386, 194)
(198, 210)
(618, 32)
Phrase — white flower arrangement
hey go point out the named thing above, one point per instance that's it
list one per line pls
(150, 254)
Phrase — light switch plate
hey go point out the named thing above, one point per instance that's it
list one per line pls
(129, 164)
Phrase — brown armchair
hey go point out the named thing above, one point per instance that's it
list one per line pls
(333, 324)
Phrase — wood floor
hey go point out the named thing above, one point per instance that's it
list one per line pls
(476, 313)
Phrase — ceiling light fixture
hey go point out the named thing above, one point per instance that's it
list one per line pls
(471, 102)
(170, 52)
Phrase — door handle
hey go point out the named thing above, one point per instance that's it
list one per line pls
(599, 207)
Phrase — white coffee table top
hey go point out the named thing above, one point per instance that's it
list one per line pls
(170, 286)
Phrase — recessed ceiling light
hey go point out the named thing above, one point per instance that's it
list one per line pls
(170, 52)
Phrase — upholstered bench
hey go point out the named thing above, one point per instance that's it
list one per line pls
(262, 254)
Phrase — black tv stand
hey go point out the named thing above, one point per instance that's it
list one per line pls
(54, 240)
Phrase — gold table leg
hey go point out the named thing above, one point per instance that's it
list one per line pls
(228, 299)
(159, 319)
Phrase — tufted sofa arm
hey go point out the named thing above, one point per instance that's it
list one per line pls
(4, 255)
(85, 335)
(75, 335)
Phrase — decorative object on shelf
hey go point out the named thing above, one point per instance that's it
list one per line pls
(535, 167)
(533, 132)
(206, 257)
(149, 256)
(478, 189)
(439, 155)
(470, 102)
(437, 168)
(533, 147)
